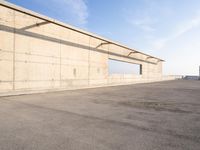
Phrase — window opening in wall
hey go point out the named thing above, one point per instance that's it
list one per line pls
(120, 67)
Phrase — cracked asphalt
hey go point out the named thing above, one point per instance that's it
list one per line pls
(153, 116)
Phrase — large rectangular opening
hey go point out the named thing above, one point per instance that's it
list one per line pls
(121, 67)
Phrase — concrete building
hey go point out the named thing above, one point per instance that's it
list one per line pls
(38, 53)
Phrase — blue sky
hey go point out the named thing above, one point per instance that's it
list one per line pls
(169, 29)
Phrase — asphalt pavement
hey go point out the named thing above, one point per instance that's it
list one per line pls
(153, 116)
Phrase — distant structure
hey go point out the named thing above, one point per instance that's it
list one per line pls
(199, 72)
(189, 77)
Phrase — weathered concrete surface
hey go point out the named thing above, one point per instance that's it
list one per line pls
(38, 53)
(156, 116)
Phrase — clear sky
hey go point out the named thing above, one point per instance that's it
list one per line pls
(169, 29)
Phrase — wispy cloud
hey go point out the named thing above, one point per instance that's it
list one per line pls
(166, 29)
(141, 17)
(79, 8)
(70, 11)
(178, 31)
(144, 23)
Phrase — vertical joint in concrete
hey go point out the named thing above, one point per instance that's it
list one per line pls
(14, 50)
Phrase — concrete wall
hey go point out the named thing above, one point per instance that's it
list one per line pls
(38, 55)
